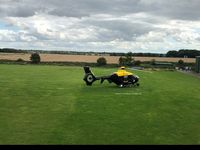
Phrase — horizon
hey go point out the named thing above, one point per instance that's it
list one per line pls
(139, 26)
(89, 51)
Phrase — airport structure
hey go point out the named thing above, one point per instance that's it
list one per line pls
(198, 64)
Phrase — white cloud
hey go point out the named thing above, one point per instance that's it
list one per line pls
(6, 35)
(139, 25)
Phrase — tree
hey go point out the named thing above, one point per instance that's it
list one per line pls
(122, 61)
(172, 54)
(129, 59)
(35, 58)
(101, 61)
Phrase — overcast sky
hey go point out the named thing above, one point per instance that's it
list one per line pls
(154, 26)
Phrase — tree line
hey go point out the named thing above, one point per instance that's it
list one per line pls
(172, 53)
(183, 53)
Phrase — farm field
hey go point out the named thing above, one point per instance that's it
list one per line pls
(85, 58)
(52, 105)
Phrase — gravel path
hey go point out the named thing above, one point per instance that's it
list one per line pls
(190, 73)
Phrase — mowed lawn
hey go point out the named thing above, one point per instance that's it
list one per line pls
(52, 105)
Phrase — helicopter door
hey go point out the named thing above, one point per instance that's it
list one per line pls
(125, 79)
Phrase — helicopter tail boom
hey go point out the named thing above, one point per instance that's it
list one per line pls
(89, 77)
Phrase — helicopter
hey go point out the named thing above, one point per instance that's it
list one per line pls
(121, 78)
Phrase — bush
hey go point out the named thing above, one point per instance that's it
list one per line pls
(181, 64)
(35, 58)
(19, 60)
(101, 61)
(137, 63)
(153, 62)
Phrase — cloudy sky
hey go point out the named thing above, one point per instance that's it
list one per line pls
(100, 25)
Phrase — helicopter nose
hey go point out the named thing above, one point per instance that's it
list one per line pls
(137, 77)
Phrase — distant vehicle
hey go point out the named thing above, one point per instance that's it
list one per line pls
(121, 78)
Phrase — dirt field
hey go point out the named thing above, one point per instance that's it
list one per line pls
(85, 58)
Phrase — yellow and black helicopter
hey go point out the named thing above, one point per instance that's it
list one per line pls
(122, 78)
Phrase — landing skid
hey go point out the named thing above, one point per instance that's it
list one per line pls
(129, 85)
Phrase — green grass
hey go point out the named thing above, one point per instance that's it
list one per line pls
(52, 105)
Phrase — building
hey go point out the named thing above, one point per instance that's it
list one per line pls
(198, 64)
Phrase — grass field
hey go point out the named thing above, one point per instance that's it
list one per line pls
(52, 105)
